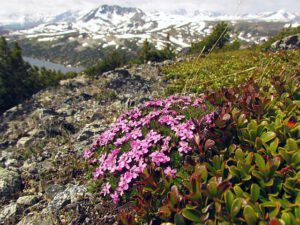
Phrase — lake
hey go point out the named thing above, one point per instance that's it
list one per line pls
(52, 66)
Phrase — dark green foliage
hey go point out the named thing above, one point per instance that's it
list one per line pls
(148, 52)
(235, 45)
(118, 58)
(112, 61)
(217, 39)
(19, 80)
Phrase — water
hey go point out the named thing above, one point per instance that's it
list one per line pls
(52, 66)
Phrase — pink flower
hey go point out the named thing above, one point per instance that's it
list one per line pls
(185, 130)
(153, 136)
(136, 133)
(169, 120)
(159, 157)
(87, 154)
(121, 141)
(169, 172)
(184, 147)
(134, 113)
(105, 189)
(106, 137)
(124, 161)
(141, 167)
(208, 119)
(138, 139)
(124, 182)
(128, 176)
(122, 125)
(97, 173)
(154, 103)
(165, 146)
(115, 197)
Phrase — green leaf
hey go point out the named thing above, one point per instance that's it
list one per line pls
(297, 212)
(260, 162)
(212, 189)
(255, 192)
(238, 191)
(229, 197)
(239, 155)
(179, 220)
(296, 159)
(291, 145)
(192, 215)
(286, 218)
(235, 207)
(249, 215)
(274, 145)
(268, 136)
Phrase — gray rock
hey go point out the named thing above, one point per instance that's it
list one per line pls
(53, 190)
(89, 131)
(29, 166)
(10, 183)
(39, 219)
(8, 214)
(11, 162)
(70, 195)
(27, 201)
(40, 113)
(38, 133)
(24, 141)
(290, 42)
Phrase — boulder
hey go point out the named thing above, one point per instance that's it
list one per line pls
(290, 42)
(89, 131)
(27, 201)
(70, 195)
(10, 183)
(11, 163)
(8, 214)
(53, 189)
(43, 218)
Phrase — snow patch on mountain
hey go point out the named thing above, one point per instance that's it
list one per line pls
(111, 24)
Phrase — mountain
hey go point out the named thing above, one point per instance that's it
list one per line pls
(27, 21)
(114, 26)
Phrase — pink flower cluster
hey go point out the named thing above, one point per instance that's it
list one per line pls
(138, 138)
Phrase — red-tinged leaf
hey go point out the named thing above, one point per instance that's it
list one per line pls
(292, 122)
(275, 222)
(209, 144)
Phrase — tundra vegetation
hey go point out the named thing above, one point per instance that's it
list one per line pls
(221, 148)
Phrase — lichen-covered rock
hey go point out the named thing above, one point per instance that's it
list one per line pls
(290, 42)
(70, 195)
(10, 183)
(27, 201)
(43, 138)
(39, 219)
(24, 141)
(8, 214)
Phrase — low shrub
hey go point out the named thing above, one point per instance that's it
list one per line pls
(228, 157)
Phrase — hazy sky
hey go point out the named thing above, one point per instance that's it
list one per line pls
(227, 6)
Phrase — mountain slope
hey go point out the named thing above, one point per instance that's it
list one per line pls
(108, 27)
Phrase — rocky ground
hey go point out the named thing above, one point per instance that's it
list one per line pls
(287, 43)
(42, 177)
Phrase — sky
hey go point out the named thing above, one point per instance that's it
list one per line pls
(22, 7)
